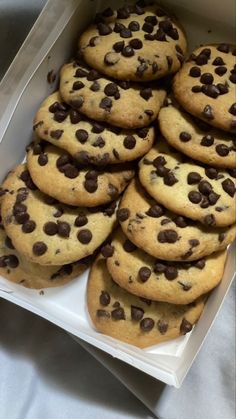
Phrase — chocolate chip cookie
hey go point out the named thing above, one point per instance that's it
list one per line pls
(86, 140)
(164, 234)
(196, 138)
(16, 268)
(46, 231)
(122, 104)
(156, 279)
(205, 86)
(183, 186)
(134, 320)
(58, 175)
(135, 42)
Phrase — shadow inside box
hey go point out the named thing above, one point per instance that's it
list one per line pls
(61, 363)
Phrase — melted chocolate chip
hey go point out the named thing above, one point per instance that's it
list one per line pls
(155, 211)
(128, 246)
(118, 314)
(229, 187)
(170, 179)
(200, 264)
(171, 273)
(103, 313)
(56, 134)
(223, 48)
(144, 273)
(106, 104)
(129, 142)
(74, 116)
(209, 220)
(28, 226)
(180, 221)
(107, 251)
(95, 87)
(167, 236)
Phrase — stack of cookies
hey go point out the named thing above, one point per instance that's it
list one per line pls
(59, 207)
(178, 215)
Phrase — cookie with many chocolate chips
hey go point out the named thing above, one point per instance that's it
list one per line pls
(122, 104)
(58, 175)
(134, 320)
(17, 268)
(86, 140)
(188, 188)
(164, 234)
(134, 43)
(46, 231)
(205, 86)
(156, 279)
(196, 138)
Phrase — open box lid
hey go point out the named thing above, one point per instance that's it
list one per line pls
(50, 43)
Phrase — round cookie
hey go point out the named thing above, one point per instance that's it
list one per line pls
(122, 104)
(16, 268)
(56, 174)
(165, 235)
(148, 277)
(183, 186)
(196, 138)
(205, 86)
(46, 231)
(133, 320)
(88, 141)
(134, 43)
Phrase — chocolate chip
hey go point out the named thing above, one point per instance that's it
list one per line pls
(104, 298)
(94, 41)
(162, 326)
(171, 273)
(11, 261)
(28, 226)
(196, 89)
(90, 185)
(142, 133)
(81, 220)
(159, 268)
(211, 91)
(200, 264)
(209, 220)
(167, 236)
(165, 221)
(80, 72)
(123, 13)
(144, 273)
(218, 61)
(21, 217)
(185, 136)
(123, 214)
(229, 187)
(136, 43)
(169, 61)
(232, 78)
(99, 142)
(111, 89)
(62, 161)
(95, 87)
(63, 229)
(106, 104)
(173, 33)
(213, 198)
(136, 313)
(222, 150)
(127, 51)
(194, 242)
(146, 324)
(201, 59)
(207, 78)
(77, 85)
(185, 326)
(37, 149)
(112, 191)
(77, 103)
(180, 221)
(84, 236)
(232, 109)
(141, 69)
(50, 228)
(170, 179)
(118, 314)
(195, 197)
(134, 26)
(205, 187)
(56, 134)
(221, 237)
(74, 116)
(107, 251)
(195, 71)
(232, 173)
(42, 159)
(129, 142)
(103, 313)
(208, 112)
(103, 29)
(193, 178)
(146, 93)
(128, 246)
(125, 33)
(155, 211)
(118, 46)
(211, 172)
(39, 248)
(207, 140)
(223, 48)
(220, 70)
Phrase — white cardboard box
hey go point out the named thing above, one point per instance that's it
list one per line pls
(49, 44)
